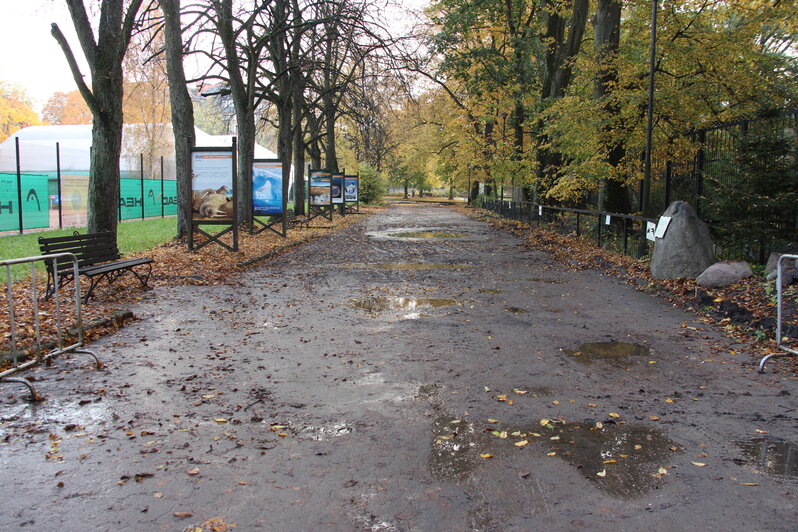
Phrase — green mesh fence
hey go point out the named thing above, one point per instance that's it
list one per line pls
(35, 202)
(132, 203)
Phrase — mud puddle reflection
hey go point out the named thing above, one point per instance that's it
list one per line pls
(404, 266)
(426, 234)
(614, 352)
(774, 457)
(623, 461)
(378, 304)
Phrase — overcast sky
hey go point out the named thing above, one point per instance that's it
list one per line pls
(31, 58)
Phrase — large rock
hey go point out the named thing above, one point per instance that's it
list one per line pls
(773, 260)
(723, 274)
(686, 248)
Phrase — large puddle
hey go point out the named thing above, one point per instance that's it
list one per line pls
(774, 457)
(377, 304)
(405, 266)
(622, 460)
(613, 352)
(426, 234)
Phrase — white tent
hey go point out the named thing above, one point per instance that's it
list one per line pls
(38, 148)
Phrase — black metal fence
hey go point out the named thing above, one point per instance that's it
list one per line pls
(621, 233)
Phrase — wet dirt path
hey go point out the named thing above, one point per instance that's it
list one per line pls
(374, 380)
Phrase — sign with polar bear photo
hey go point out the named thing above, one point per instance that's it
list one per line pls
(212, 173)
(350, 188)
(267, 187)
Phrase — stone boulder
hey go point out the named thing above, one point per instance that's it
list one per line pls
(723, 274)
(686, 249)
(773, 260)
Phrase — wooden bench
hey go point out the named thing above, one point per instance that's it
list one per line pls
(98, 258)
(292, 220)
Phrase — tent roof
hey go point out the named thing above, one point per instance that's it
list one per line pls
(37, 147)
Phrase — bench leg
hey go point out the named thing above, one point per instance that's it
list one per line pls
(145, 278)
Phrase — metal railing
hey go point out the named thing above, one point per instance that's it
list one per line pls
(17, 355)
(622, 233)
(787, 351)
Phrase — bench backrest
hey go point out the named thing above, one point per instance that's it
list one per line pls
(90, 248)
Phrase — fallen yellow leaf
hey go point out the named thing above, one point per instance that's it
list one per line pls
(610, 461)
(749, 483)
(493, 420)
(602, 473)
(220, 420)
(502, 398)
(521, 443)
(653, 418)
(662, 471)
(544, 422)
(698, 464)
(486, 455)
(638, 447)
(592, 405)
(551, 454)
(614, 415)
(555, 402)
(668, 400)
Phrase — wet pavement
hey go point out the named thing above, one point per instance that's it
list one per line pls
(371, 380)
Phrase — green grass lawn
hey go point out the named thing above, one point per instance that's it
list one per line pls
(132, 237)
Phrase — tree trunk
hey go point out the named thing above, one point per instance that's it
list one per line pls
(613, 195)
(182, 111)
(104, 51)
(299, 154)
(106, 140)
(564, 39)
(331, 157)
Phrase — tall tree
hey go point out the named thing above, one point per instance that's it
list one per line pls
(65, 108)
(606, 35)
(104, 50)
(15, 111)
(182, 110)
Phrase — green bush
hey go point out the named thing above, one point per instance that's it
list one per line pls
(372, 184)
(754, 208)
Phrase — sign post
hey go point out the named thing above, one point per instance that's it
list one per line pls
(351, 190)
(320, 194)
(213, 195)
(267, 196)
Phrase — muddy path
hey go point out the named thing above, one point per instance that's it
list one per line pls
(416, 371)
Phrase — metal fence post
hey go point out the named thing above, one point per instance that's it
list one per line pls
(58, 181)
(19, 185)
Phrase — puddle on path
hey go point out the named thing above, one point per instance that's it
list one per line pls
(428, 391)
(89, 415)
(772, 456)
(489, 291)
(376, 304)
(614, 352)
(325, 432)
(516, 310)
(426, 234)
(533, 391)
(620, 460)
(405, 266)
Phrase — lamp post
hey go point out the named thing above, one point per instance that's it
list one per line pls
(644, 200)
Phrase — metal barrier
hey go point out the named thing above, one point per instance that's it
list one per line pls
(622, 233)
(787, 351)
(18, 362)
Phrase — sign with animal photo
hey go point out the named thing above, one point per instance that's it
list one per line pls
(212, 173)
(351, 186)
(319, 190)
(337, 188)
(267, 187)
